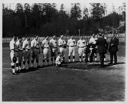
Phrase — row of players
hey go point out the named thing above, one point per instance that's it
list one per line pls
(24, 50)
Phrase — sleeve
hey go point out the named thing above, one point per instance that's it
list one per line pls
(78, 43)
(58, 42)
(10, 45)
(68, 42)
(106, 44)
(31, 43)
(23, 45)
(90, 40)
(97, 42)
(74, 42)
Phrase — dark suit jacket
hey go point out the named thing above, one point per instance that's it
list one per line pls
(113, 46)
(102, 45)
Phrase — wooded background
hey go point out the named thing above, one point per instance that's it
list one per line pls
(44, 19)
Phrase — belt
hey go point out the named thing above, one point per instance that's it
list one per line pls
(71, 46)
(27, 49)
(35, 47)
(60, 46)
(54, 47)
(20, 50)
(81, 47)
(14, 50)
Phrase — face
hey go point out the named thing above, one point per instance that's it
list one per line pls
(20, 39)
(54, 37)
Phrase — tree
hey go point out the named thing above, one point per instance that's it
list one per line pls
(76, 11)
(28, 19)
(21, 18)
(85, 13)
(97, 10)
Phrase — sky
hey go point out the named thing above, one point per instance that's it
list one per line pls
(67, 4)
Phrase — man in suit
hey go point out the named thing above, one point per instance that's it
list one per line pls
(102, 48)
(113, 48)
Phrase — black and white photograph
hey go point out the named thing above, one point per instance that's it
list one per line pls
(63, 50)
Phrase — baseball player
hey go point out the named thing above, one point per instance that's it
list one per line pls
(59, 60)
(53, 46)
(81, 48)
(19, 53)
(92, 45)
(45, 47)
(72, 44)
(13, 54)
(26, 53)
(35, 50)
(62, 47)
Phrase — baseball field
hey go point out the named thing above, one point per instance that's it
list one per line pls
(71, 82)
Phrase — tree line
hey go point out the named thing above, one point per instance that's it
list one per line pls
(44, 19)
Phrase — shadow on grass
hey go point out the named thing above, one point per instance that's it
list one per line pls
(75, 65)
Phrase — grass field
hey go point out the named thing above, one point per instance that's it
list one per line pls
(71, 82)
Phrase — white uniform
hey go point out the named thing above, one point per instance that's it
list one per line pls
(92, 40)
(26, 52)
(35, 50)
(53, 43)
(45, 44)
(71, 43)
(61, 43)
(13, 54)
(58, 60)
(20, 53)
(81, 48)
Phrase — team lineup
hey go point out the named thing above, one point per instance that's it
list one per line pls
(28, 50)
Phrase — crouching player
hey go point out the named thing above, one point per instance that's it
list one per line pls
(59, 60)
(13, 54)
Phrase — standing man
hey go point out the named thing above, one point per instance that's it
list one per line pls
(35, 50)
(102, 48)
(19, 44)
(81, 48)
(53, 46)
(72, 44)
(26, 53)
(13, 54)
(113, 48)
(62, 47)
(92, 45)
(45, 47)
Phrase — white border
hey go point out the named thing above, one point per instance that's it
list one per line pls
(64, 1)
